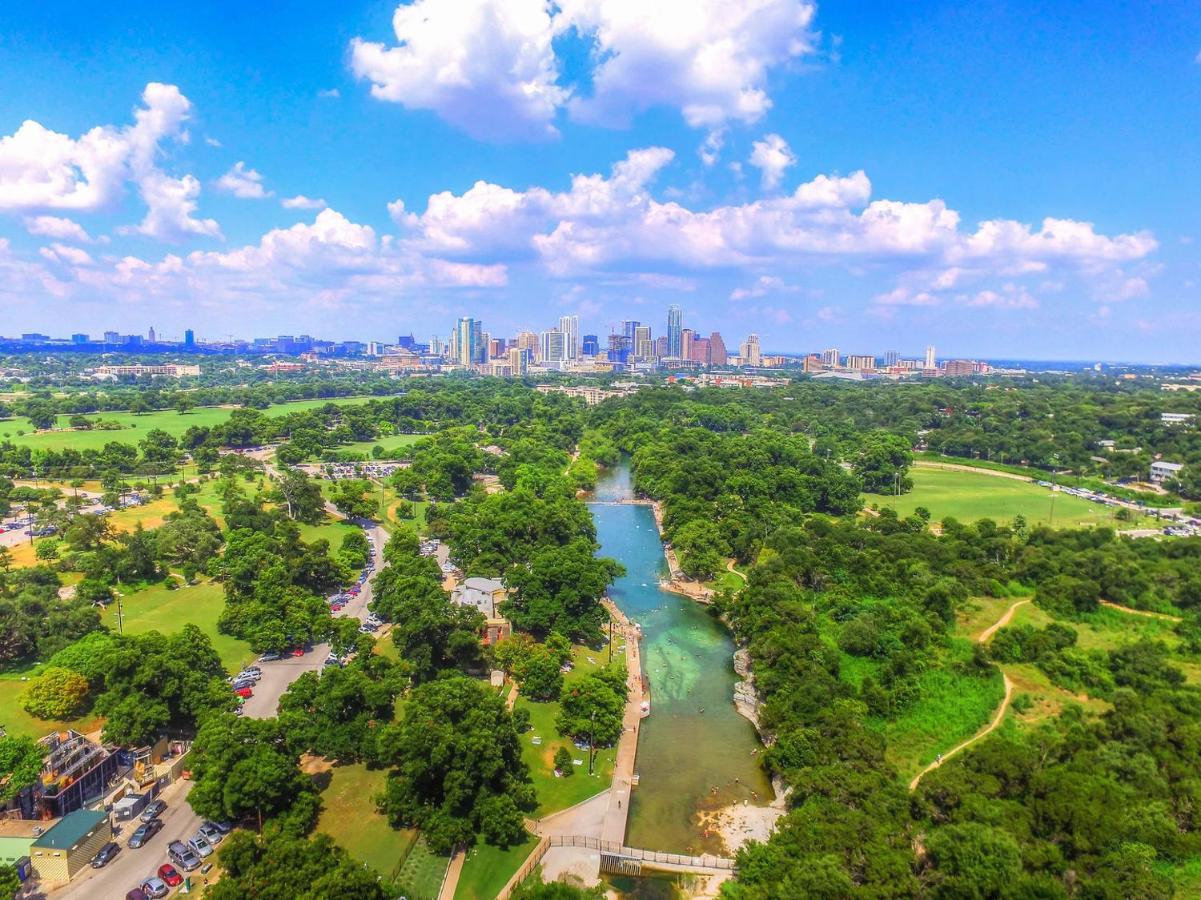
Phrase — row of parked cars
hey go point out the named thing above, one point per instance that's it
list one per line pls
(189, 855)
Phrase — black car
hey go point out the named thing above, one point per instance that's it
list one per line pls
(144, 833)
(105, 856)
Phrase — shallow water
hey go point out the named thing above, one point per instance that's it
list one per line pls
(694, 740)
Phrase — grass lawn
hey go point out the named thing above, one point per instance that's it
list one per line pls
(349, 816)
(968, 496)
(1048, 700)
(158, 609)
(1105, 629)
(389, 442)
(17, 722)
(982, 613)
(134, 427)
(421, 876)
(950, 709)
(559, 793)
(333, 530)
(487, 869)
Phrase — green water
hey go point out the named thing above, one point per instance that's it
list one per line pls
(694, 740)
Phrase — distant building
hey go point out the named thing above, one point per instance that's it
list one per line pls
(831, 357)
(749, 351)
(861, 363)
(717, 350)
(589, 345)
(644, 346)
(959, 367)
(570, 326)
(931, 363)
(554, 348)
(1176, 418)
(171, 370)
(152, 338)
(675, 327)
(80, 339)
(1164, 471)
(189, 338)
(891, 357)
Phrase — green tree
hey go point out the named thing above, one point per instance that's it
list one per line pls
(56, 693)
(282, 866)
(592, 708)
(20, 765)
(301, 497)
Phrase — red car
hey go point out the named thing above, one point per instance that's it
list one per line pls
(168, 874)
(244, 692)
(298, 651)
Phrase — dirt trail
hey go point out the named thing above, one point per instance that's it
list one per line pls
(1005, 619)
(998, 715)
(955, 467)
(730, 568)
(1140, 612)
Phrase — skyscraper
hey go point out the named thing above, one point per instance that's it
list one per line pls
(466, 341)
(644, 345)
(675, 325)
(189, 338)
(717, 350)
(931, 363)
(150, 337)
(891, 357)
(589, 345)
(749, 351)
(686, 337)
(570, 326)
(830, 357)
(554, 348)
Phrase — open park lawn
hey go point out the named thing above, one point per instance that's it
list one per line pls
(349, 816)
(134, 427)
(488, 869)
(157, 609)
(390, 442)
(968, 496)
(17, 722)
(559, 793)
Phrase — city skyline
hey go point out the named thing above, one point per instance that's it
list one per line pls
(871, 175)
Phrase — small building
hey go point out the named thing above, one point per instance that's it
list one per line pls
(60, 853)
(485, 595)
(1175, 418)
(17, 837)
(1164, 471)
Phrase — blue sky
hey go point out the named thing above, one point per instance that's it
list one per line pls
(997, 179)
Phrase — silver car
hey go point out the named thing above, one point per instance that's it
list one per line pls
(201, 846)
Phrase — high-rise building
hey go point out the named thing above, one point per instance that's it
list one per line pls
(150, 337)
(467, 337)
(554, 348)
(644, 346)
(406, 341)
(496, 348)
(589, 345)
(749, 351)
(112, 337)
(675, 325)
(686, 337)
(79, 339)
(519, 360)
(891, 357)
(375, 348)
(570, 326)
(527, 340)
(931, 363)
(861, 363)
(189, 338)
(700, 351)
(831, 358)
(627, 329)
(717, 350)
(437, 346)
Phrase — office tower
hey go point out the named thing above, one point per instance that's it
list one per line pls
(484, 348)
(496, 348)
(406, 341)
(627, 329)
(519, 360)
(749, 351)
(589, 345)
(79, 339)
(466, 341)
(112, 337)
(931, 363)
(862, 363)
(675, 324)
(830, 357)
(686, 337)
(375, 348)
(891, 357)
(644, 346)
(189, 338)
(554, 347)
(700, 351)
(150, 337)
(527, 340)
(717, 350)
(570, 326)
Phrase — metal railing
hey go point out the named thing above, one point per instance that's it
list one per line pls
(650, 856)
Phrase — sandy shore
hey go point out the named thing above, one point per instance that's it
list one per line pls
(739, 823)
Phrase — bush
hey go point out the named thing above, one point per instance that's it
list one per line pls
(563, 762)
(56, 694)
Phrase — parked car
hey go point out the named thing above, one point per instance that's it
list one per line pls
(155, 887)
(244, 683)
(252, 670)
(211, 832)
(105, 856)
(245, 692)
(137, 894)
(183, 856)
(200, 846)
(144, 833)
(224, 827)
(269, 657)
(169, 874)
(153, 810)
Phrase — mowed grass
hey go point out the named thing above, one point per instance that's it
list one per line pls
(332, 530)
(968, 496)
(158, 609)
(134, 427)
(19, 723)
(559, 793)
(390, 443)
(350, 817)
(422, 873)
(487, 869)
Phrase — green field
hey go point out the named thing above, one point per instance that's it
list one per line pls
(133, 427)
(968, 496)
(349, 816)
(487, 869)
(389, 442)
(158, 609)
(421, 875)
(17, 722)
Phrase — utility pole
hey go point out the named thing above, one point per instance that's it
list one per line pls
(591, 743)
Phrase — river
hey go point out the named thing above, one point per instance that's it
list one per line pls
(694, 740)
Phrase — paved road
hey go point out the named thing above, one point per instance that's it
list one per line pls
(278, 675)
(126, 872)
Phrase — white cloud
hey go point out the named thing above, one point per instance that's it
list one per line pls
(771, 156)
(1011, 296)
(901, 296)
(708, 58)
(485, 66)
(212, 142)
(300, 201)
(244, 183)
(490, 68)
(58, 228)
(74, 256)
(764, 285)
(170, 204)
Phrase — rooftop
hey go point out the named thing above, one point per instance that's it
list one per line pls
(71, 829)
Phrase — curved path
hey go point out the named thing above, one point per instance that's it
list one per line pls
(997, 717)
(730, 568)
(1140, 612)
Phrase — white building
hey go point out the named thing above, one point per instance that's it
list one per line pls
(750, 352)
(1162, 471)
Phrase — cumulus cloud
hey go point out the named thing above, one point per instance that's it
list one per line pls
(58, 228)
(65, 253)
(490, 67)
(771, 156)
(300, 201)
(485, 66)
(42, 169)
(244, 183)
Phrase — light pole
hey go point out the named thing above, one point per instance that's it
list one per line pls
(591, 742)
